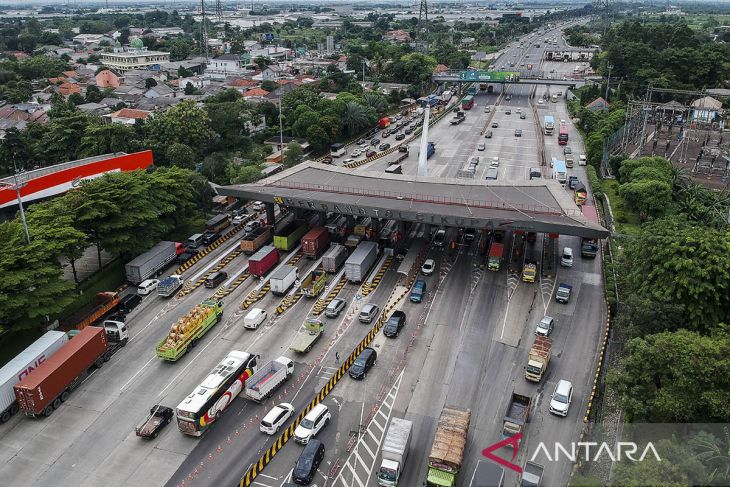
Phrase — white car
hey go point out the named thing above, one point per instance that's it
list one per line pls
(238, 219)
(356, 153)
(147, 286)
(258, 206)
(545, 326)
(494, 162)
(540, 102)
(312, 424)
(275, 418)
(560, 401)
(428, 266)
(348, 161)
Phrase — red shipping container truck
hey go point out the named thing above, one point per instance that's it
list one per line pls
(44, 389)
(263, 261)
(315, 241)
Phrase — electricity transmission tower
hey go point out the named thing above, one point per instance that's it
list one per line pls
(219, 10)
(204, 31)
(422, 30)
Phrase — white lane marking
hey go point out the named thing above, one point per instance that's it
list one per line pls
(136, 374)
(155, 318)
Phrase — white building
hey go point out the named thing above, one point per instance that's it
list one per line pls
(135, 57)
(224, 66)
(87, 39)
(330, 44)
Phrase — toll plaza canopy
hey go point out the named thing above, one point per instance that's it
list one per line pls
(533, 206)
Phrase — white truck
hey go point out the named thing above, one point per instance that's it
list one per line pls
(152, 262)
(268, 378)
(333, 259)
(531, 475)
(23, 364)
(395, 451)
(361, 261)
(170, 285)
(282, 279)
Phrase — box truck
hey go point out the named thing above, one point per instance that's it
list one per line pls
(263, 261)
(333, 259)
(282, 279)
(152, 262)
(361, 261)
(395, 451)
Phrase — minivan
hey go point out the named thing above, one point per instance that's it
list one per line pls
(129, 302)
(312, 423)
(195, 241)
(418, 291)
(307, 464)
(215, 279)
(438, 239)
(566, 260)
(560, 400)
(363, 363)
(147, 286)
(254, 318)
(368, 313)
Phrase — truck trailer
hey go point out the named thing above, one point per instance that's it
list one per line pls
(255, 240)
(106, 303)
(288, 237)
(189, 329)
(333, 259)
(395, 451)
(361, 261)
(518, 410)
(261, 385)
(447, 450)
(263, 261)
(152, 262)
(315, 241)
(23, 364)
(282, 279)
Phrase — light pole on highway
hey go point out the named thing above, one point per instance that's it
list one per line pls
(363, 71)
(281, 131)
(16, 185)
(610, 67)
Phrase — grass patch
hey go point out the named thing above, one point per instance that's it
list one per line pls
(108, 279)
(625, 220)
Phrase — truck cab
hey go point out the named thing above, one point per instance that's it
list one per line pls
(116, 332)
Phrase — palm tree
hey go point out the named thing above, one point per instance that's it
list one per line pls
(376, 101)
(354, 117)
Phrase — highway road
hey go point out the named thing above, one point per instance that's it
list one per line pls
(465, 345)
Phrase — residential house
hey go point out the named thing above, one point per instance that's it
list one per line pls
(282, 90)
(223, 66)
(161, 90)
(87, 40)
(108, 78)
(93, 108)
(441, 68)
(397, 36)
(598, 105)
(255, 93)
(274, 72)
(197, 82)
(67, 88)
(129, 94)
(111, 102)
(127, 116)
(706, 109)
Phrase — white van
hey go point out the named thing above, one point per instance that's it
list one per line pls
(195, 241)
(254, 318)
(146, 287)
(566, 260)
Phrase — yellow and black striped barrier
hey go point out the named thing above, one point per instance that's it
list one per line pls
(289, 301)
(255, 296)
(225, 291)
(369, 287)
(210, 248)
(220, 265)
(322, 303)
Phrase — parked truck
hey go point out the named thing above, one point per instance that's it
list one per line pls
(447, 450)
(529, 271)
(44, 389)
(306, 339)
(314, 283)
(531, 475)
(188, 330)
(282, 279)
(218, 223)
(538, 358)
(496, 252)
(563, 293)
(255, 240)
(315, 241)
(395, 451)
(23, 364)
(518, 410)
(333, 259)
(106, 302)
(361, 261)
(170, 285)
(152, 262)
(487, 474)
(352, 241)
(263, 261)
(268, 378)
(288, 237)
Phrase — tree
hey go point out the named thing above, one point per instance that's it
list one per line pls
(293, 154)
(262, 62)
(15, 150)
(76, 99)
(62, 139)
(184, 123)
(181, 155)
(215, 168)
(101, 138)
(183, 72)
(269, 85)
(202, 192)
(318, 138)
(93, 94)
(179, 49)
(377, 101)
(150, 83)
(647, 196)
(676, 377)
(247, 174)
(356, 117)
(190, 89)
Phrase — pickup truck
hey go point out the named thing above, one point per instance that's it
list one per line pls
(563, 294)
(169, 285)
(516, 416)
(306, 339)
(160, 416)
(531, 475)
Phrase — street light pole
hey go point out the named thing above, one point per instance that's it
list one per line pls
(16, 186)
(281, 132)
(363, 71)
(608, 84)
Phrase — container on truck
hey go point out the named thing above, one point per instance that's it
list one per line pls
(538, 358)
(361, 261)
(23, 364)
(268, 378)
(531, 475)
(518, 410)
(282, 279)
(159, 417)
(487, 474)
(263, 261)
(496, 252)
(306, 339)
(170, 285)
(314, 283)
(106, 302)
(188, 330)
(315, 241)
(43, 390)
(395, 451)
(288, 237)
(447, 450)
(563, 293)
(333, 259)
(218, 223)
(255, 240)
(152, 262)
(529, 271)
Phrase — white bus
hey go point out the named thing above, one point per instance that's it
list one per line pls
(207, 402)
(337, 150)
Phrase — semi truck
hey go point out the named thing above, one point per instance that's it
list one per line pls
(538, 358)
(188, 330)
(563, 293)
(314, 283)
(261, 385)
(43, 390)
(288, 237)
(152, 262)
(487, 474)
(361, 261)
(496, 251)
(170, 285)
(23, 364)
(106, 302)
(529, 271)
(315, 241)
(255, 240)
(531, 475)
(395, 451)
(282, 279)
(447, 450)
(333, 259)
(263, 261)
(518, 410)
(306, 339)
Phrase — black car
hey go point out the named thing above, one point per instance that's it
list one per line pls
(160, 416)
(129, 302)
(308, 461)
(400, 136)
(384, 146)
(363, 363)
(374, 142)
(210, 237)
(394, 324)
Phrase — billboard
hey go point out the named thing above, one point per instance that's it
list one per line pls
(493, 76)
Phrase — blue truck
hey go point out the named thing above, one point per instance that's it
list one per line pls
(430, 150)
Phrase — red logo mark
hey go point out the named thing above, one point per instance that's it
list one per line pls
(513, 441)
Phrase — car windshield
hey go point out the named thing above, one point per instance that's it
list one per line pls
(561, 398)
(359, 363)
(307, 423)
